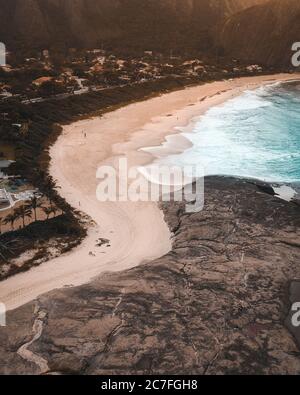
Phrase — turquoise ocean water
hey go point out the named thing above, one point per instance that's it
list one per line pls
(254, 135)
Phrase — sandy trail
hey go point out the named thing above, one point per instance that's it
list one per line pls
(137, 231)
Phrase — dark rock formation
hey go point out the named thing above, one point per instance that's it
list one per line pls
(217, 303)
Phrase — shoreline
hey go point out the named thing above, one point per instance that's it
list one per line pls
(74, 161)
(176, 142)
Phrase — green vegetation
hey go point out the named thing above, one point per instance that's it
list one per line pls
(60, 232)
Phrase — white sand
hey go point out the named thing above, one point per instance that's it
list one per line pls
(137, 231)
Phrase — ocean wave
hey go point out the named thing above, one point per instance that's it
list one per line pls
(255, 135)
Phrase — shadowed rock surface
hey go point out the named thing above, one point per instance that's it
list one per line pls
(216, 304)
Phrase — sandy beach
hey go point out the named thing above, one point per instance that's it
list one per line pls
(136, 232)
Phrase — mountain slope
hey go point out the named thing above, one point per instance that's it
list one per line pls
(263, 34)
(153, 24)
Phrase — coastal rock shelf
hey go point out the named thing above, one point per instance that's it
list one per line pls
(217, 303)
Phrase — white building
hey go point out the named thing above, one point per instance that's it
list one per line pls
(4, 164)
(4, 200)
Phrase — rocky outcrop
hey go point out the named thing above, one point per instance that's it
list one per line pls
(122, 24)
(217, 303)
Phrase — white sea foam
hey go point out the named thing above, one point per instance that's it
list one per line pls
(255, 135)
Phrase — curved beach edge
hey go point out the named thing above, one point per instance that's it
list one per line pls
(135, 232)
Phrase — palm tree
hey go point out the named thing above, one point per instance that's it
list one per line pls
(34, 204)
(50, 188)
(23, 212)
(10, 219)
(48, 211)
